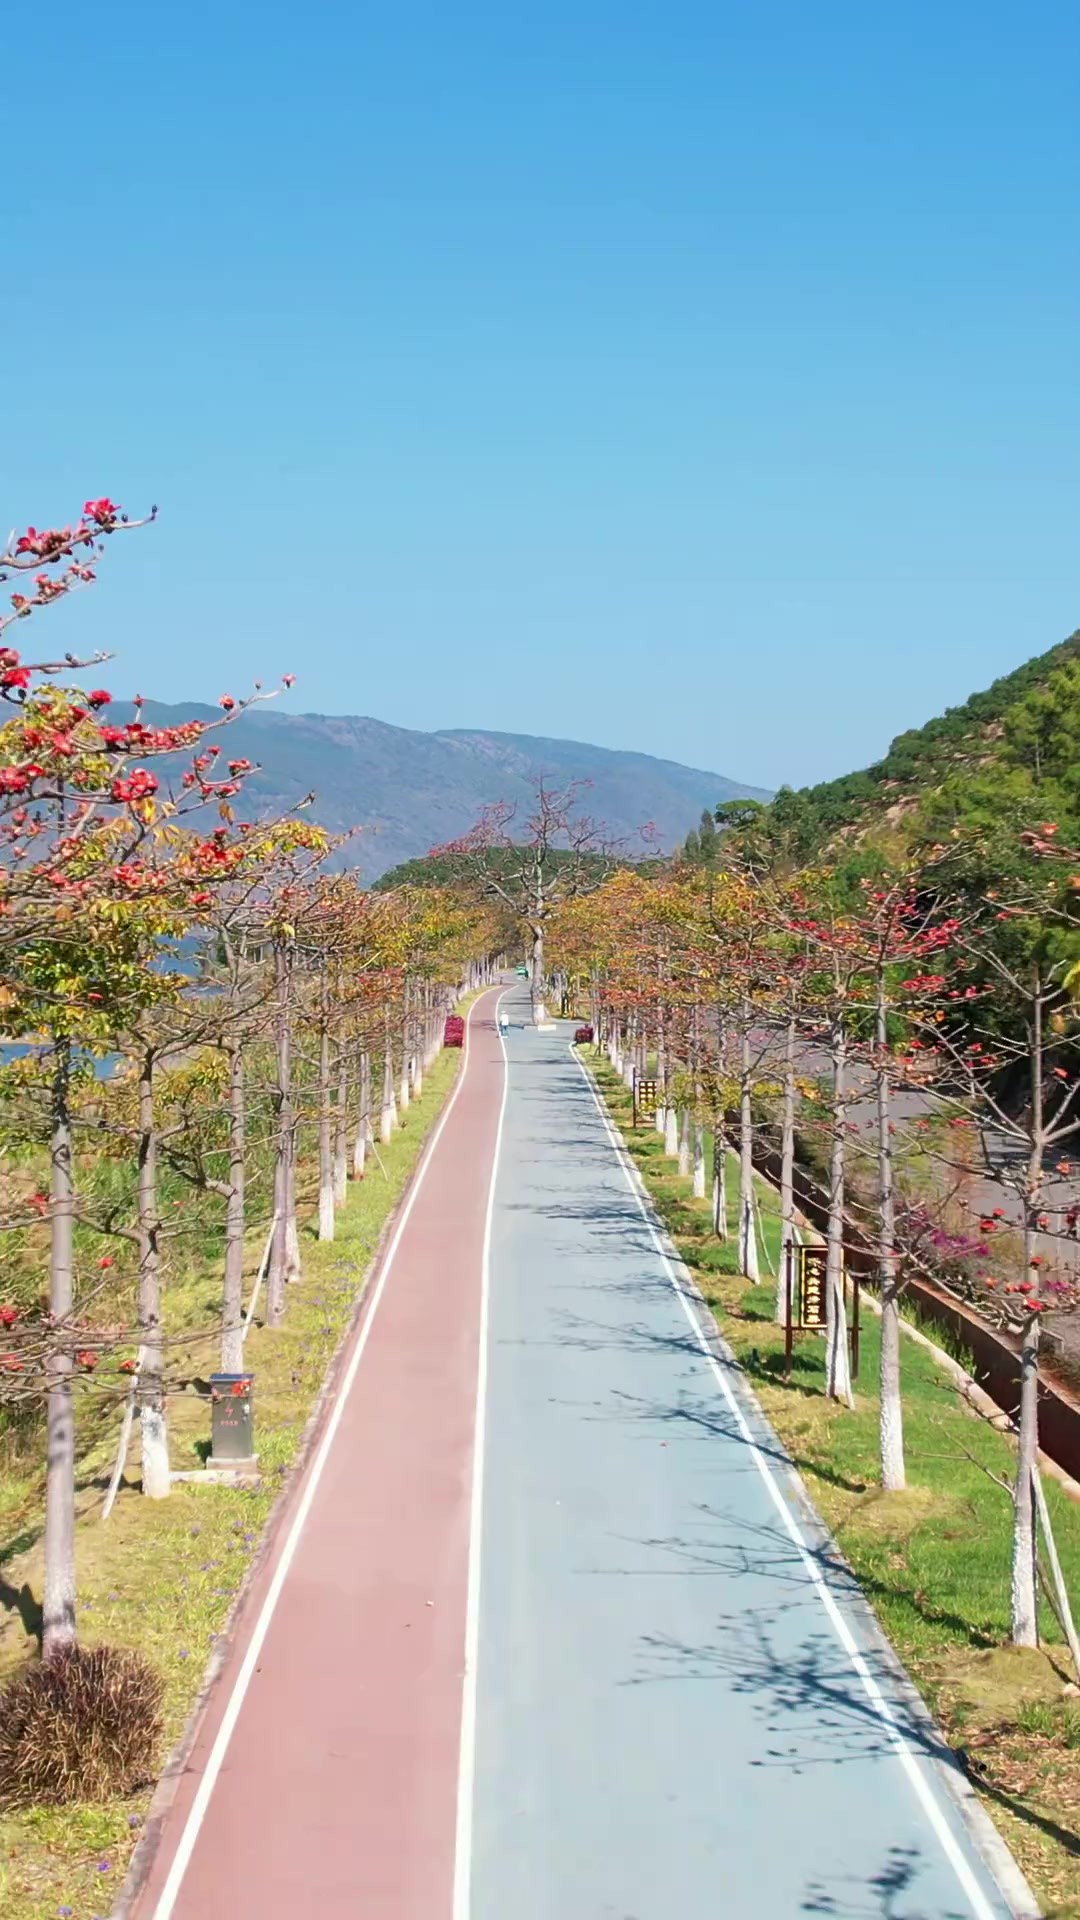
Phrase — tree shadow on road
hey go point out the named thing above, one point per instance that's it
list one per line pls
(884, 1896)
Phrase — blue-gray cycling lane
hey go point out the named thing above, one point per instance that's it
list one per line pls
(680, 1707)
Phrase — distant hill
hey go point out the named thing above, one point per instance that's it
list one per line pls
(1008, 753)
(411, 791)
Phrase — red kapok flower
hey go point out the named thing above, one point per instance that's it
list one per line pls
(99, 698)
(102, 512)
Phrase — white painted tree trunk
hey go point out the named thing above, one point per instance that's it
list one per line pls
(326, 1134)
(1024, 1591)
(363, 1120)
(748, 1246)
(837, 1358)
(282, 1252)
(536, 976)
(341, 1132)
(671, 1133)
(788, 1236)
(150, 1391)
(699, 1160)
(1024, 1608)
(58, 1597)
(388, 1116)
(232, 1299)
(891, 1423)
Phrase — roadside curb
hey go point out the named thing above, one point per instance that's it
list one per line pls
(145, 1853)
(946, 1765)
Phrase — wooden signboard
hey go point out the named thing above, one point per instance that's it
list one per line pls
(810, 1301)
(644, 1100)
(806, 1274)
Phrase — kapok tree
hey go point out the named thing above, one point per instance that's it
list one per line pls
(1003, 1048)
(532, 862)
(85, 900)
(882, 930)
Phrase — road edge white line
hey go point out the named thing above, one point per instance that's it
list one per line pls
(197, 1811)
(462, 1897)
(924, 1793)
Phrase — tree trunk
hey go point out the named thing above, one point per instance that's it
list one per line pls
(837, 1360)
(58, 1603)
(699, 1160)
(406, 1038)
(293, 1266)
(536, 968)
(661, 1075)
(684, 1143)
(326, 1126)
(150, 1393)
(363, 1123)
(421, 1038)
(788, 1235)
(388, 1116)
(281, 1252)
(719, 1183)
(748, 1248)
(1025, 1616)
(891, 1428)
(232, 1304)
(341, 1131)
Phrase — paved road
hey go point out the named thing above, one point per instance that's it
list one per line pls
(668, 1722)
(674, 1708)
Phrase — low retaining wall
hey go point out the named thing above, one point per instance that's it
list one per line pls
(995, 1357)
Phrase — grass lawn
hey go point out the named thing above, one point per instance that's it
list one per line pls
(933, 1561)
(163, 1575)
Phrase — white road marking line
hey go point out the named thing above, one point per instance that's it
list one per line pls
(467, 1744)
(924, 1793)
(208, 1781)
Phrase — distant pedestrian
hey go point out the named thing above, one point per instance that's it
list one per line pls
(504, 1021)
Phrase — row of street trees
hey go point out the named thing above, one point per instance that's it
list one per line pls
(917, 1015)
(188, 996)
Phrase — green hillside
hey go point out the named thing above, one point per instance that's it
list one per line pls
(1010, 753)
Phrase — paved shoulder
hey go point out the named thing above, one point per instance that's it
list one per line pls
(681, 1710)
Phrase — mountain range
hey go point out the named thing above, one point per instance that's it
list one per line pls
(409, 791)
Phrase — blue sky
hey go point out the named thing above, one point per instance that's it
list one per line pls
(697, 378)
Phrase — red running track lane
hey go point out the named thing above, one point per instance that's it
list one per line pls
(338, 1785)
